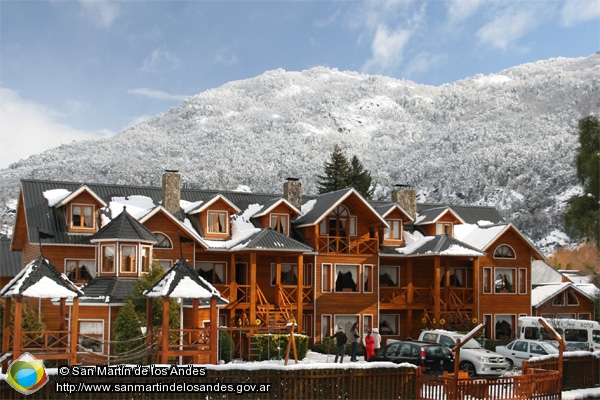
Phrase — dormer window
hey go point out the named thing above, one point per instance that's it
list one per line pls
(217, 222)
(279, 223)
(394, 232)
(443, 228)
(82, 216)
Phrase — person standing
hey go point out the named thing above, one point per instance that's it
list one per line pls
(340, 342)
(377, 338)
(354, 340)
(369, 345)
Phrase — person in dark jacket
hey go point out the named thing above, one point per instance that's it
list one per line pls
(340, 342)
(355, 340)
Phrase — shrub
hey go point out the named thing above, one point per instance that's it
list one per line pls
(274, 346)
(226, 346)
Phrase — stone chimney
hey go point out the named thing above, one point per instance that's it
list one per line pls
(406, 197)
(292, 192)
(171, 186)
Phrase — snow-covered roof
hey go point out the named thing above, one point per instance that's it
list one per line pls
(417, 244)
(40, 279)
(542, 273)
(542, 293)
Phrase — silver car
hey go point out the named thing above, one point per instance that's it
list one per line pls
(521, 350)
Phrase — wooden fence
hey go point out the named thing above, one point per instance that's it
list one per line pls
(580, 369)
(536, 384)
(269, 382)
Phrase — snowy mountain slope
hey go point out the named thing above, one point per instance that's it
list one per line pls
(506, 139)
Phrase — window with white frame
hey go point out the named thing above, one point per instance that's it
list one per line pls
(91, 335)
(77, 270)
(217, 222)
(504, 326)
(326, 273)
(128, 258)
(280, 223)
(212, 272)
(326, 327)
(389, 276)
(389, 324)
(346, 278)
(339, 223)
(82, 216)
(504, 251)
(146, 259)
(394, 232)
(108, 258)
(163, 241)
(308, 275)
(367, 323)
(458, 277)
(487, 280)
(504, 280)
(345, 321)
(288, 276)
(367, 278)
(523, 281)
(443, 228)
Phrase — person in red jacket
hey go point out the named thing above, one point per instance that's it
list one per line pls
(369, 345)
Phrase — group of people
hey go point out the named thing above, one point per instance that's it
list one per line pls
(372, 343)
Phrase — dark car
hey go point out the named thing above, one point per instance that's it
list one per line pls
(433, 358)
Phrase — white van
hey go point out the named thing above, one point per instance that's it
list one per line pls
(578, 333)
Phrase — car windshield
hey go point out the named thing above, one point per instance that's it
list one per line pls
(549, 348)
(471, 344)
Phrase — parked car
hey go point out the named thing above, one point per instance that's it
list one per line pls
(433, 358)
(473, 358)
(521, 350)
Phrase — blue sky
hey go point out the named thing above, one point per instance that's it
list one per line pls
(75, 69)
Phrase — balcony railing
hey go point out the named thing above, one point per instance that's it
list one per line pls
(344, 245)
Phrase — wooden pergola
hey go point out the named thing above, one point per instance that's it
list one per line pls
(197, 342)
(40, 279)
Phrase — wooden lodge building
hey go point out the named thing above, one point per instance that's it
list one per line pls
(323, 261)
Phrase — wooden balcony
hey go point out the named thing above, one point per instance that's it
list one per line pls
(453, 298)
(344, 245)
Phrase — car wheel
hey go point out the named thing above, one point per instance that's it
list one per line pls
(510, 363)
(468, 368)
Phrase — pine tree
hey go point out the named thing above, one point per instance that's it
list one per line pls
(341, 173)
(337, 172)
(583, 214)
(360, 178)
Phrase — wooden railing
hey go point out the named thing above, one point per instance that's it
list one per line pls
(580, 370)
(343, 245)
(189, 339)
(536, 384)
(45, 341)
(399, 295)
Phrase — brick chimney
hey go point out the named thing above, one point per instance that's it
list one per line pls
(406, 197)
(171, 186)
(292, 192)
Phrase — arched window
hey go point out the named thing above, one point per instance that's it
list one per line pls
(163, 241)
(504, 251)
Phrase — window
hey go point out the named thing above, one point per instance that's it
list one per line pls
(367, 322)
(504, 326)
(394, 232)
(308, 274)
(389, 276)
(145, 259)
(504, 251)
(346, 278)
(572, 299)
(522, 281)
(326, 326)
(559, 300)
(289, 274)
(326, 277)
(368, 278)
(457, 277)
(82, 216)
(164, 242)
(80, 270)
(505, 280)
(388, 324)
(279, 223)
(487, 280)
(345, 322)
(128, 258)
(212, 272)
(91, 335)
(217, 222)
(339, 223)
(108, 258)
(443, 228)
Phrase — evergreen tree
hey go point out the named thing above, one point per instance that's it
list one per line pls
(337, 172)
(341, 173)
(360, 178)
(583, 212)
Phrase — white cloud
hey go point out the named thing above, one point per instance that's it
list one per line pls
(29, 128)
(226, 56)
(387, 49)
(160, 60)
(509, 26)
(423, 62)
(460, 10)
(577, 11)
(157, 94)
(102, 12)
